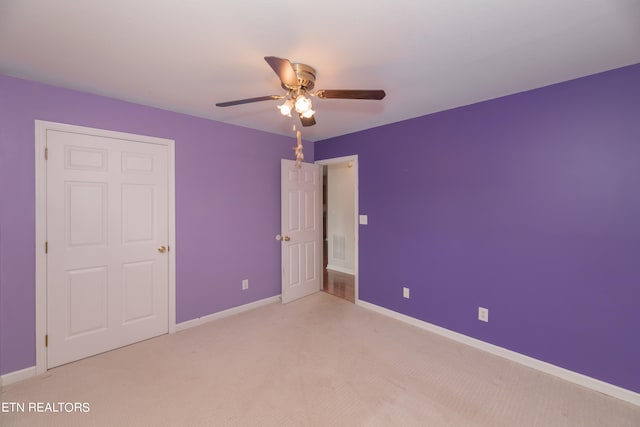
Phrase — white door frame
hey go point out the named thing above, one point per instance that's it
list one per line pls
(41, 128)
(354, 159)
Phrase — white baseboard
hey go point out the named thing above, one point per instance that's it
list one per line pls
(565, 374)
(340, 269)
(15, 376)
(229, 312)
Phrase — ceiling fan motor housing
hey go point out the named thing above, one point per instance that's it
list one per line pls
(306, 77)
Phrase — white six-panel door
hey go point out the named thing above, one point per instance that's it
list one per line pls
(301, 225)
(107, 225)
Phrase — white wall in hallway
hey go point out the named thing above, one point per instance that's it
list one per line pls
(340, 217)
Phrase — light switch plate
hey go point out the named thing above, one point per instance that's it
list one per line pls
(364, 220)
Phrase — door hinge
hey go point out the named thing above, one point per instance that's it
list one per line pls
(46, 153)
(46, 340)
(46, 247)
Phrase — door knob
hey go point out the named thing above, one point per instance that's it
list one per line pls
(283, 238)
(162, 249)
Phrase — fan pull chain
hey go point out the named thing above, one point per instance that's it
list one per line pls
(298, 148)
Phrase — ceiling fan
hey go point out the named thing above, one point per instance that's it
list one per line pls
(299, 80)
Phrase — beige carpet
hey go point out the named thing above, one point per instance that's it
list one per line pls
(320, 361)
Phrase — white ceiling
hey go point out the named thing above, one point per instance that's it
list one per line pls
(429, 55)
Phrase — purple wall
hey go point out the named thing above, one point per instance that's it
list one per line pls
(528, 205)
(227, 197)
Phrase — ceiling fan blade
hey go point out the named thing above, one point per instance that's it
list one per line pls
(284, 70)
(307, 121)
(248, 100)
(351, 94)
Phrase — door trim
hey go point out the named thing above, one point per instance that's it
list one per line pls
(354, 159)
(41, 128)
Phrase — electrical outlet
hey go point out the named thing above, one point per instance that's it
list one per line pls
(405, 292)
(483, 314)
(245, 284)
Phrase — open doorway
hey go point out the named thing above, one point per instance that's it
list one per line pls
(340, 227)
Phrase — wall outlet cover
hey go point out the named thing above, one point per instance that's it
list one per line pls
(406, 292)
(245, 284)
(483, 314)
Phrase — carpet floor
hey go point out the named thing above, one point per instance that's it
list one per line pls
(319, 361)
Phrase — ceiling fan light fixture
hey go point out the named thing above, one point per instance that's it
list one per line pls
(285, 108)
(303, 104)
(308, 114)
